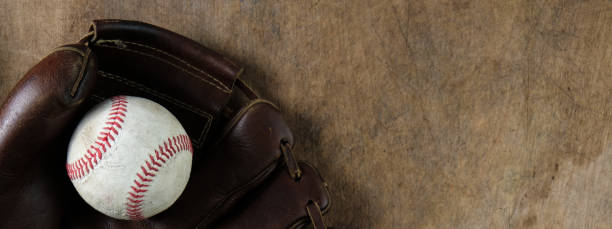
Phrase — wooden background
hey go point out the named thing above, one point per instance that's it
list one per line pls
(419, 114)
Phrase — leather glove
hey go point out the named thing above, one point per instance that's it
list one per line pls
(244, 173)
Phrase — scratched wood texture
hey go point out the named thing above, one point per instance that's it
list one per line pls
(419, 114)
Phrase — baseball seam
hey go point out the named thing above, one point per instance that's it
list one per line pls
(84, 165)
(148, 171)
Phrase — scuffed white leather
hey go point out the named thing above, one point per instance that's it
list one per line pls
(146, 126)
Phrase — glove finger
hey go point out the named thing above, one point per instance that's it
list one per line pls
(282, 202)
(41, 106)
(248, 153)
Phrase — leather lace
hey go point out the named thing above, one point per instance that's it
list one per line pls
(312, 207)
(315, 215)
(292, 165)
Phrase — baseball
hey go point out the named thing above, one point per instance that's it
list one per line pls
(129, 158)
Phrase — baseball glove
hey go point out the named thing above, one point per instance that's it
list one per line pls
(244, 172)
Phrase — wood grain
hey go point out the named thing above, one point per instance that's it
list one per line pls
(419, 114)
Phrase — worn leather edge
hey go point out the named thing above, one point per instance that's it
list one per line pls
(232, 123)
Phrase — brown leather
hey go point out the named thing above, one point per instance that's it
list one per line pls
(238, 138)
(34, 121)
(292, 165)
(248, 153)
(279, 197)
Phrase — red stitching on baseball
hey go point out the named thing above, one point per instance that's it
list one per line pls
(151, 167)
(118, 113)
(161, 150)
(135, 195)
(153, 159)
(134, 200)
(158, 157)
(147, 174)
(184, 143)
(101, 145)
(133, 205)
(119, 109)
(113, 122)
(138, 190)
(88, 162)
(140, 185)
(177, 142)
(116, 118)
(110, 128)
(168, 150)
(171, 147)
(142, 178)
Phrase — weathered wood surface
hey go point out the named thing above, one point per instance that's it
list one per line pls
(419, 114)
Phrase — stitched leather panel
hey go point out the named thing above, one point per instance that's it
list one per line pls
(280, 195)
(174, 44)
(139, 59)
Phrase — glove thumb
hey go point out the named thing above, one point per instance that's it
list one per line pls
(41, 106)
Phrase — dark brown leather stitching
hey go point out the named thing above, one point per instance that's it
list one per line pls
(121, 45)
